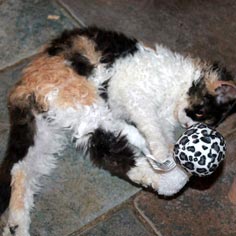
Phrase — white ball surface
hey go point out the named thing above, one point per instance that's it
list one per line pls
(200, 150)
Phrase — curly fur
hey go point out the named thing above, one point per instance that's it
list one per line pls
(148, 93)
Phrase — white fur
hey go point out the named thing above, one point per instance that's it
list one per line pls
(165, 183)
(148, 88)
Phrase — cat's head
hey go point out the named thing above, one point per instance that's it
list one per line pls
(211, 97)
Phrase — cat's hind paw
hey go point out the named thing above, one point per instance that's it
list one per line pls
(15, 230)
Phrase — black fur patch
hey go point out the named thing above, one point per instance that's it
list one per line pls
(205, 107)
(81, 64)
(103, 90)
(112, 44)
(222, 71)
(21, 137)
(61, 44)
(111, 152)
(13, 229)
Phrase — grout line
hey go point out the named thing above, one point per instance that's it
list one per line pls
(127, 204)
(21, 61)
(70, 13)
(146, 219)
(102, 218)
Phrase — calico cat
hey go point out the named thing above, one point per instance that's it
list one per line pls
(119, 100)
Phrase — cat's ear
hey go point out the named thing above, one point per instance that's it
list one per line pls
(225, 91)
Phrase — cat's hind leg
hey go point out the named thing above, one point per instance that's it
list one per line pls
(28, 164)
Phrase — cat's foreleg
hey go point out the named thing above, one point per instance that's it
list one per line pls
(159, 137)
(25, 175)
(121, 150)
(141, 172)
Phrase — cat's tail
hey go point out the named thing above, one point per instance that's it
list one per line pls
(21, 137)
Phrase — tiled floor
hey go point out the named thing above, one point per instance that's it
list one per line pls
(77, 192)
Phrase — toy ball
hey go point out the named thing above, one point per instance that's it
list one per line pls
(200, 150)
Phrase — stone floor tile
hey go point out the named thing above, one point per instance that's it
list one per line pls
(24, 27)
(204, 208)
(76, 193)
(204, 28)
(122, 223)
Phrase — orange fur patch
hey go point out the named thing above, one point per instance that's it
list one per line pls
(213, 85)
(46, 74)
(18, 191)
(87, 48)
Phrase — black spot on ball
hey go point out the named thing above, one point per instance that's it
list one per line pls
(213, 168)
(202, 161)
(215, 146)
(189, 165)
(184, 140)
(213, 136)
(202, 126)
(177, 160)
(194, 136)
(220, 157)
(183, 156)
(204, 132)
(213, 157)
(197, 154)
(190, 132)
(201, 170)
(224, 148)
(204, 147)
(206, 139)
(176, 149)
(191, 149)
(195, 141)
(190, 158)
(222, 141)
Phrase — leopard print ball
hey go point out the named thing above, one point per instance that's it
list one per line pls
(200, 150)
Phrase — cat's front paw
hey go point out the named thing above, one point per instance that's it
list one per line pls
(170, 183)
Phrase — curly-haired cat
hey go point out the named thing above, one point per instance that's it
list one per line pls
(119, 100)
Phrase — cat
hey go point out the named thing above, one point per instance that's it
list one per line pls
(119, 100)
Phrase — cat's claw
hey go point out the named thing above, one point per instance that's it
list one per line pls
(167, 165)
